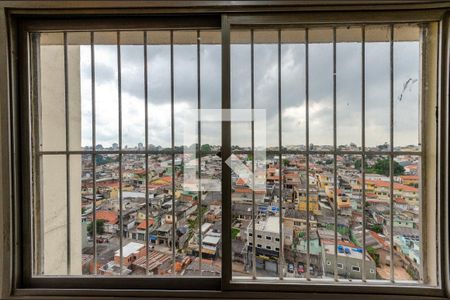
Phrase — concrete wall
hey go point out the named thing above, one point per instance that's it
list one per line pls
(52, 220)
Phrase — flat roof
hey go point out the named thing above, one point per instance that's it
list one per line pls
(272, 224)
(351, 252)
(130, 248)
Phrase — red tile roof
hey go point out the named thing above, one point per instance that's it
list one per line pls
(241, 181)
(144, 223)
(107, 215)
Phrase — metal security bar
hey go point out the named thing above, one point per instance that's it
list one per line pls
(363, 145)
(391, 157)
(308, 225)
(172, 137)
(199, 156)
(280, 162)
(252, 99)
(66, 117)
(146, 155)
(94, 167)
(119, 91)
(335, 160)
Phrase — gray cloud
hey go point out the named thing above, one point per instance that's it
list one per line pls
(266, 91)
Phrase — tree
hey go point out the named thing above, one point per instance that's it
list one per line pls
(205, 148)
(100, 228)
(381, 167)
(103, 159)
(377, 228)
(358, 164)
(372, 252)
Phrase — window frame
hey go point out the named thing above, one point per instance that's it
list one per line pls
(14, 166)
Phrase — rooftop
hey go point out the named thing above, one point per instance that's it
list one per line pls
(130, 248)
(345, 251)
(272, 224)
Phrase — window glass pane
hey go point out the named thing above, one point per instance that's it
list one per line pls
(210, 86)
(321, 180)
(320, 88)
(377, 87)
(241, 86)
(160, 211)
(53, 220)
(242, 213)
(132, 90)
(407, 215)
(185, 84)
(407, 87)
(348, 87)
(159, 90)
(80, 90)
(293, 83)
(266, 82)
(106, 91)
(52, 91)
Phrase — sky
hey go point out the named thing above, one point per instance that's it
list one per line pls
(292, 92)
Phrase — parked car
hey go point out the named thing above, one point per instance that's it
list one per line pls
(291, 268)
(301, 268)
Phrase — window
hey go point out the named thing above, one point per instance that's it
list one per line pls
(119, 89)
(360, 125)
(154, 149)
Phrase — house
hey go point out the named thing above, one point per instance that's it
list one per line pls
(130, 252)
(349, 261)
(110, 219)
(138, 233)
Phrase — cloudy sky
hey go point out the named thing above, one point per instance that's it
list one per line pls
(348, 91)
